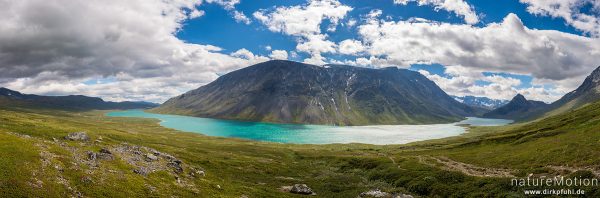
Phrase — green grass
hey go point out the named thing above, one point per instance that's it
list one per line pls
(258, 169)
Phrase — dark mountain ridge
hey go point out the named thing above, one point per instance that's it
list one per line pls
(76, 102)
(588, 92)
(516, 109)
(291, 92)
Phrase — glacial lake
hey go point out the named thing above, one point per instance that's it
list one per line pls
(311, 134)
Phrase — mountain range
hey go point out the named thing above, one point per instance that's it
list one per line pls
(521, 109)
(292, 92)
(74, 102)
(481, 102)
(517, 109)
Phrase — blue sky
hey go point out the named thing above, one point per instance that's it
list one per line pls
(218, 28)
(539, 48)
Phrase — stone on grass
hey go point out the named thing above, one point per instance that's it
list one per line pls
(78, 136)
(302, 189)
(151, 157)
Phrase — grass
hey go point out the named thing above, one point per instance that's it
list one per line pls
(236, 167)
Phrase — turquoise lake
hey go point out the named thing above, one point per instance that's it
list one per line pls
(311, 134)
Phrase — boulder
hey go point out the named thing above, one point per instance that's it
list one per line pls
(78, 136)
(151, 157)
(375, 193)
(302, 189)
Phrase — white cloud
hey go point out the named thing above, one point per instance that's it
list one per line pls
(460, 7)
(570, 11)
(305, 19)
(279, 55)
(500, 47)
(497, 87)
(351, 47)
(229, 5)
(241, 17)
(304, 22)
(52, 46)
(351, 23)
(316, 44)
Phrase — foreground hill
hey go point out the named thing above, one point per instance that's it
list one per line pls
(516, 108)
(75, 102)
(291, 92)
(135, 157)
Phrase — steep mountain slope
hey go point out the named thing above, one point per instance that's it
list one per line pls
(587, 92)
(291, 92)
(516, 108)
(481, 102)
(67, 102)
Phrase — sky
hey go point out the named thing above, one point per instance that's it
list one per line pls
(152, 50)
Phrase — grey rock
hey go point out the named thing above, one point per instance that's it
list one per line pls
(104, 150)
(142, 171)
(151, 157)
(302, 189)
(91, 155)
(375, 193)
(176, 165)
(78, 136)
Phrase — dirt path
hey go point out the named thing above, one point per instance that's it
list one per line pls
(567, 169)
(467, 169)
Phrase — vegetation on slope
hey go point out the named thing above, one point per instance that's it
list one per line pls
(291, 92)
(472, 165)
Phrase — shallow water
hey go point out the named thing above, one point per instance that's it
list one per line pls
(311, 134)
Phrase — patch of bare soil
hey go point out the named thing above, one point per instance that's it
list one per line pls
(468, 169)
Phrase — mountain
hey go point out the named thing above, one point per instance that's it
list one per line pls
(587, 92)
(291, 92)
(68, 102)
(481, 102)
(517, 109)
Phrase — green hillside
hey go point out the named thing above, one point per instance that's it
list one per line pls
(38, 161)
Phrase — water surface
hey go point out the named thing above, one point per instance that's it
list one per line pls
(310, 134)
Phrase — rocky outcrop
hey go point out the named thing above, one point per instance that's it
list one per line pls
(301, 189)
(77, 136)
(376, 193)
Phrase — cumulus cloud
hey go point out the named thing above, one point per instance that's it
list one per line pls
(570, 11)
(462, 81)
(304, 22)
(53, 43)
(459, 7)
(279, 55)
(502, 47)
(351, 47)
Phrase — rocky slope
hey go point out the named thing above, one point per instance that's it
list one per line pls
(516, 109)
(481, 102)
(588, 92)
(68, 102)
(291, 92)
